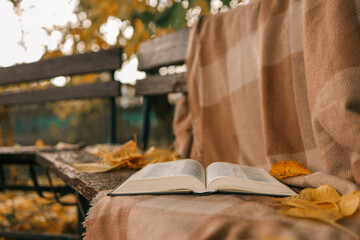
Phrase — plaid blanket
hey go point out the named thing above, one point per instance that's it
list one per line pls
(277, 80)
(218, 216)
(273, 80)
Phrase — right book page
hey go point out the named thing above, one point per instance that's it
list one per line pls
(229, 177)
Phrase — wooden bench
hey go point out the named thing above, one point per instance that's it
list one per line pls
(153, 54)
(160, 52)
(106, 60)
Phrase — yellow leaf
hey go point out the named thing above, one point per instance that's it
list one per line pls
(156, 155)
(93, 167)
(349, 203)
(324, 215)
(127, 155)
(324, 204)
(284, 169)
(325, 194)
(300, 203)
(40, 143)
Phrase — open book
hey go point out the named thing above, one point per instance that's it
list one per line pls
(188, 175)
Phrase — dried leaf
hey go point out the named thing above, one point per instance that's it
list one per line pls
(68, 146)
(284, 169)
(325, 194)
(323, 203)
(40, 143)
(93, 167)
(349, 203)
(303, 195)
(300, 203)
(156, 155)
(314, 213)
(127, 155)
(327, 216)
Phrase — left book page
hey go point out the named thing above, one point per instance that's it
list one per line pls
(178, 176)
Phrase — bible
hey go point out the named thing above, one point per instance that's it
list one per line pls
(189, 176)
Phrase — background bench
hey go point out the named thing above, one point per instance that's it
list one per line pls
(159, 52)
(106, 60)
(153, 54)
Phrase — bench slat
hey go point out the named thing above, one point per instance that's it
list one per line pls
(163, 51)
(99, 89)
(156, 84)
(85, 183)
(63, 66)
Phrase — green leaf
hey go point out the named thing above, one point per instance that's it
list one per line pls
(172, 17)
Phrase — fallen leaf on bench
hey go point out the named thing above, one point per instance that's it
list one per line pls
(93, 167)
(126, 156)
(40, 143)
(156, 155)
(323, 203)
(284, 169)
(68, 146)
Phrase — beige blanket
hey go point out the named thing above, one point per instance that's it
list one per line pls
(278, 80)
(274, 80)
(209, 217)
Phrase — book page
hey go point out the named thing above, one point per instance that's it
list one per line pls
(169, 177)
(176, 168)
(224, 169)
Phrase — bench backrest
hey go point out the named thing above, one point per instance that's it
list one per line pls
(160, 52)
(153, 54)
(106, 60)
(94, 62)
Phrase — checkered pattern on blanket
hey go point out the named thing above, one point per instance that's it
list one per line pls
(277, 80)
(274, 80)
(218, 216)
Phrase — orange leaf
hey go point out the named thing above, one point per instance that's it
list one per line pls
(40, 143)
(284, 169)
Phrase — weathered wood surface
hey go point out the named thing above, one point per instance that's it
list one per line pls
(157, 84)
(99, 89)
(86, 184)
(26, 154)
(20, 155)
(161, 51)
(105, 60)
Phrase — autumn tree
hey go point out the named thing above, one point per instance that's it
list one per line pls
(132, 22)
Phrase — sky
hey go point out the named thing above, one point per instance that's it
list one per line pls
(23, 36)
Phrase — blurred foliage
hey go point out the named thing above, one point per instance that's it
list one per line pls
(137, 21)
(30, 212)
(128, 22)
(20, 211)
